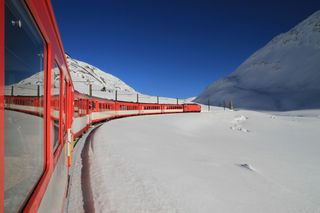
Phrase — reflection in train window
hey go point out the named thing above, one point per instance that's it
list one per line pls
(55, 105)
(64, 114)
(23, 116)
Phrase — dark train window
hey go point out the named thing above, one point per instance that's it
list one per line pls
(80, 107)
(55, 105)
(76, 108)
(23, 121)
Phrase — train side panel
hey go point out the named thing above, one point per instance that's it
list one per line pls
(53, 184)
(36, 143)
(191, 108)
(172, 108)
(81, 117)
(150, 109)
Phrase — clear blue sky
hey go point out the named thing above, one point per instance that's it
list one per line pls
(173, 48)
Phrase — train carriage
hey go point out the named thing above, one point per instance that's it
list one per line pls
(123, 108)
(102, 109)
(150, 108)
(35, 113)
(191, 107)
(172, 108)
(81, 118)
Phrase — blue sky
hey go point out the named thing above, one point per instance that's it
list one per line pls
(172, 48)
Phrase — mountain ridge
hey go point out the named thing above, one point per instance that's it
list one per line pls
(282, 75)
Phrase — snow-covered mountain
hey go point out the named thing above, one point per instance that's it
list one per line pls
(83, 74)
(283, 75)
(104, 85)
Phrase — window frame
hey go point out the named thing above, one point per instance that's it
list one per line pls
(53, 65)
(57, 151)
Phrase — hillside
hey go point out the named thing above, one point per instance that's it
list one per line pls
(83, 74)
(283, 75)
(104, 85)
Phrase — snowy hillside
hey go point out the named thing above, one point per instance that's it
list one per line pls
(84, 74)
(104, 85)
(283, 75)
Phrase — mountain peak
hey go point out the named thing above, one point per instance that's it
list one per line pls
(306, 32)
(283, 75)
(84, 74)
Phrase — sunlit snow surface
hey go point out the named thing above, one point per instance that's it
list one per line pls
(200, 163)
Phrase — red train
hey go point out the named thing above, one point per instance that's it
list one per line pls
(40, 113)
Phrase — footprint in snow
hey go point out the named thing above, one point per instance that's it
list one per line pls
(239, 119)
(236, 123)
(246, 166)
(239, 128)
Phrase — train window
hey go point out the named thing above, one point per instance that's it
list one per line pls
(24, 125)
(80, 107)
(76, 108)
(64, 114)
(55, 105)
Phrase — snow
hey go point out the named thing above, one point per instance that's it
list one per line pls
(283, 75)
(196, 162)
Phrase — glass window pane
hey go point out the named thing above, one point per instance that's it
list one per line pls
(23, 116)
(64, 117)
(76, 108)
(55, 105)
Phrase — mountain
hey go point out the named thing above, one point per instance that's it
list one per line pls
(283, 75)
(83, 74)
(104, 85)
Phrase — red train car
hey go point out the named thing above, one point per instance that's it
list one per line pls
(35, 115)
(151, 108)
(191, 108)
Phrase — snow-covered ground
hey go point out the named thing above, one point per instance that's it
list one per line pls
(217, 161)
